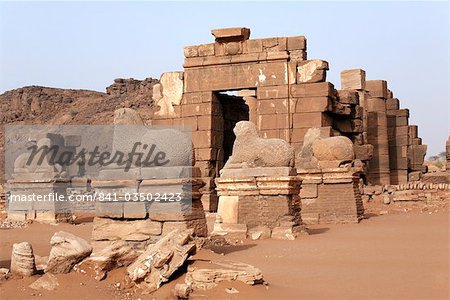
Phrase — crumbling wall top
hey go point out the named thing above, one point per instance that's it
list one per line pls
(233, 46)
(234, 34)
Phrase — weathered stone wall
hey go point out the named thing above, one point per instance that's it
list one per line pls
(279, 90)
(267, 212)
(286, 95)
(398, 153)
(377, 132)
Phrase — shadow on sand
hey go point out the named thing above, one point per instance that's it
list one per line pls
(313, 231)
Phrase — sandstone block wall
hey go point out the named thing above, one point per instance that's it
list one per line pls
(284, 94)
(398, 154)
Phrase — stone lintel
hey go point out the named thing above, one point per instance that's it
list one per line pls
(235, 59)
(231, 34)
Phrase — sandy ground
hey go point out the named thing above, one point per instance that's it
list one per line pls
(399, 256)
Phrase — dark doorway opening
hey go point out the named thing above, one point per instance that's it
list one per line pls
(233, 109)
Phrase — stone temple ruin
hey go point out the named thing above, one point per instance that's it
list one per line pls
(275, 148)
(275, 145)
(271, 83)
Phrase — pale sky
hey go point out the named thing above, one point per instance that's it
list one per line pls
(85, 45)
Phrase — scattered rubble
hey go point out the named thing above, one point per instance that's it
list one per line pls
(283, 233)
(11, 224)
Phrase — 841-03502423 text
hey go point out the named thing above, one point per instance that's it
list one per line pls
(96, 196)
(136, 197)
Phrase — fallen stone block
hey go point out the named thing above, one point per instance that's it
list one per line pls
(283, 233)
(118, 254)
(203, 279)
(198, 225)
(67, 250)
(159, 261)
(259, 232)
(134, 230)
(22, 260)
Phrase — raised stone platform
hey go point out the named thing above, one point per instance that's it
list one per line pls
(148, 208)
(42, 200)
(251, 200)
(330, 196)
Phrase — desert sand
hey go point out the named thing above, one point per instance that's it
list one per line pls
(393, 256)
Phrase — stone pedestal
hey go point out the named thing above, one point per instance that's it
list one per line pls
(43, 200)
(330, 196)
(259, 197)
(143, 210)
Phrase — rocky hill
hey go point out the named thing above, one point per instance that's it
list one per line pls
(44, 105)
